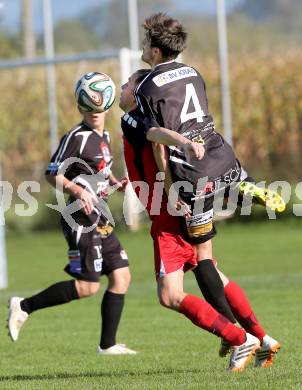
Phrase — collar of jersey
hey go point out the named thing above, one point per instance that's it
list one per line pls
(163, 63)
(152, 70)
(94, 130)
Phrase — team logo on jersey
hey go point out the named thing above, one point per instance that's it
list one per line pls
(106, 152)
(161, 79)
(173, 75)
(209, 188)
(101, 165)
(198, 139)
(104, 230)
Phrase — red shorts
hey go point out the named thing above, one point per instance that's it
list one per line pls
(171, 251)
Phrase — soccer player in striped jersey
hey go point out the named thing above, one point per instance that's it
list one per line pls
(81, 166)
(172, 253)
(173, 96)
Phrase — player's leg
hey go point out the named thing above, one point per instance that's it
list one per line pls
(84, 267)
(243, 312)
(56, 294)
(116, 267)
(235, 296)
(203, 315)
(260, 195)
(200, 230)
(173, 255)
(172, 252)
(209, 281)
(170, 290)
(241, 307)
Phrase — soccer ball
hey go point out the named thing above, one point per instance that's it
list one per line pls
(95, 92)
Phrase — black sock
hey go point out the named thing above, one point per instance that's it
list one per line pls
(212, 288)
(56, 294)
(111, 311)
(250, 179)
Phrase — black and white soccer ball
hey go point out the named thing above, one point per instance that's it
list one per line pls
(95, 92)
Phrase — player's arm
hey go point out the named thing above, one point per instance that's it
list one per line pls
(161, 157)
(161, 135)
(60, 181)
(122, 183)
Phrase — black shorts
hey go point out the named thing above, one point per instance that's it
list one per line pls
(199, 227)
(91, 254)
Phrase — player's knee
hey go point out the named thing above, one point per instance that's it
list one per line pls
(164, 301)
(170, 301)
(119, 280)
(86, 289)
(91, 289)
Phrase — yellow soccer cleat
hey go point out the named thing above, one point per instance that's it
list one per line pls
(264, 196)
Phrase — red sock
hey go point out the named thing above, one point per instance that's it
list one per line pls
(206, 317)
(242, 310)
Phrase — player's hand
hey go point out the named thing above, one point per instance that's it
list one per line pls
(122, 184)
(184, 208)
(195, 149)
(87, 201)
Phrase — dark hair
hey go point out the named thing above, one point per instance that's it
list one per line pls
(165, 33)
(139, 75)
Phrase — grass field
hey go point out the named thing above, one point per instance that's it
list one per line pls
(56, 349)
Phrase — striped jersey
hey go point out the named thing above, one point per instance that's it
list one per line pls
(174, 96)
(84, 157)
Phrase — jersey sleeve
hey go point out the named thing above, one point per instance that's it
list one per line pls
(68, 147)
(135, 128)
(149, 105)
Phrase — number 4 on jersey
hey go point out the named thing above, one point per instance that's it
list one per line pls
(198, 113)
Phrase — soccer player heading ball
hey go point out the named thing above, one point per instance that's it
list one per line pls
(172, 96)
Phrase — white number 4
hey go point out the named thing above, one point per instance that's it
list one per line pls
(198, 114)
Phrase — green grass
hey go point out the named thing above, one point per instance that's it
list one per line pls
(56, 349)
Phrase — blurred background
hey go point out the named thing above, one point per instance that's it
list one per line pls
(265, 62)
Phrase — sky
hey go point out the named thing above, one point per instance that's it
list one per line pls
(63, 9)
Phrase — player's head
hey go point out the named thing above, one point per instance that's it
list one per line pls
(164, 39)
(127, 99)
